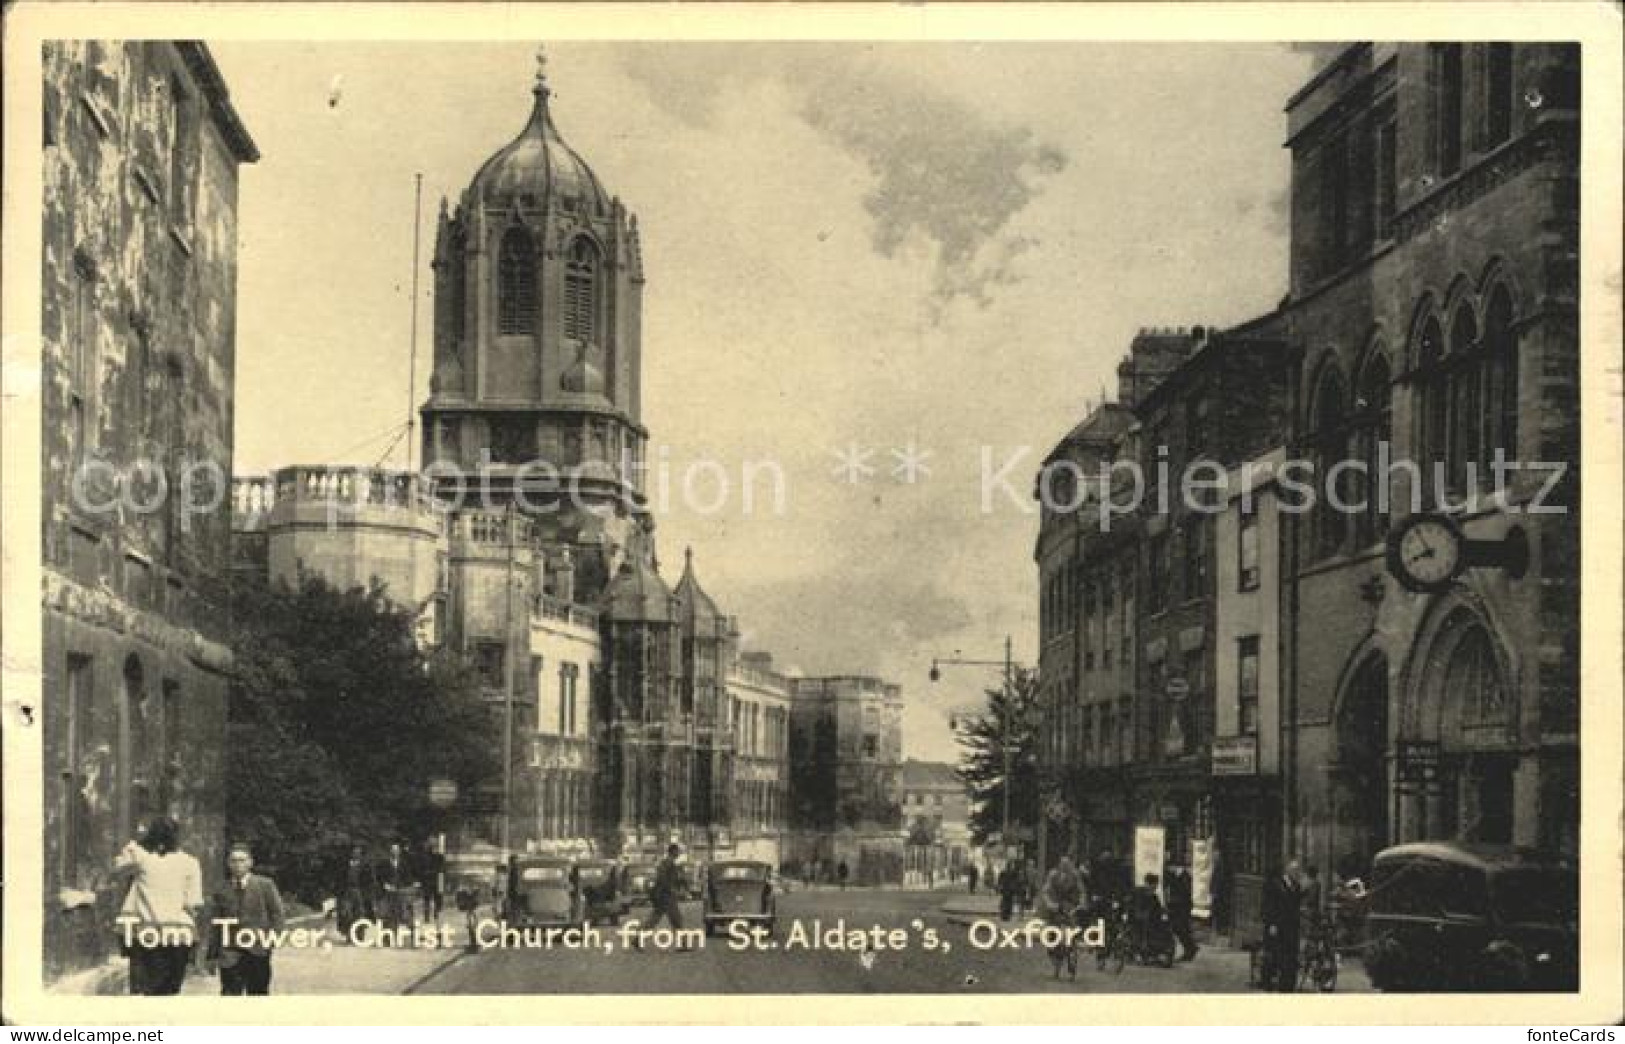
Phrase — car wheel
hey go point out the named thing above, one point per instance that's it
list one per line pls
(1385, 964)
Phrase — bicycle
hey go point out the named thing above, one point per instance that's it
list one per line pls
(1065, 954)
(1317, 965)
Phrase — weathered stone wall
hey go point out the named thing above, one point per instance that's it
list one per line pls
(138, 311)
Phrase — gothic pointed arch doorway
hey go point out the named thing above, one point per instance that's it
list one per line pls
(1460, 709)
(1360, 771)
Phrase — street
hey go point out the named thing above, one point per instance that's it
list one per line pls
(922, 951)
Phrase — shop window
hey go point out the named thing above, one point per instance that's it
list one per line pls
(1247, 685)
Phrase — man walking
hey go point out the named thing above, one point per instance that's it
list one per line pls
(1283, 897)
(666, 894)
(1180, 905)
(841, 872)
(396, 879)
(247, 911)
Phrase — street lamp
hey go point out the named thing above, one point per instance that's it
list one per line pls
(1009, 666)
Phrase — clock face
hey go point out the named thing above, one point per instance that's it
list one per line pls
(1427, 554)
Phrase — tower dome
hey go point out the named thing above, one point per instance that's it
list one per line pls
(537, 167)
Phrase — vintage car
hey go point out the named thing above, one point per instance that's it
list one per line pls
(637, 879)
(597, 884)
(540, 892)
(1448, 916)
(739, 890)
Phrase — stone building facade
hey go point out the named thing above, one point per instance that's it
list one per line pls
(141, 158)
(527, 544)
(1430, 330)
(1433, 292)
(846, 751)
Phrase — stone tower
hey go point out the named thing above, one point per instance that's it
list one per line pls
(537, 344)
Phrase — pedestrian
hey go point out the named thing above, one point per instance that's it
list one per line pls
(1009, 884)
(246, 911)
(1283, 899)
(841, 872)
(665, 895)
(1180, 905)
(396, 879)
(158, 920)
(1312, 904)
(357, 889)
(432, 874)
(1029, 885)
(972, 874)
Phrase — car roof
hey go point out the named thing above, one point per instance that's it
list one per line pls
(1479, 856)
(543, 861)
(720, 863)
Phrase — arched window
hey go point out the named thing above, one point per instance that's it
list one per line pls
(1328, 425)
(1373, 410)
(1472, 679)
(1466, 398)
(581, 291)
(1432, 384)
(1501, 358)
(516, 283)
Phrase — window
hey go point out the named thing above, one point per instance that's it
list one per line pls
(1157, 573)
(134, 791)
(184, 129)
(1373, 407)
(1327, 421)
(1501, 350)
(1195, 558)
(581, 291)
(1108, 735)
(1445, 76)
(1463, 447)
(488, 663)
(1473, 681)
(170, 723)
(1247, 685)
(1387, 160)
(1498, 91)
(871, 745)
(1247, 568)
(1089, 734)
(82, 358)
(516, 283)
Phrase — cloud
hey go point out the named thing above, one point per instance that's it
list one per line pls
(946, 178)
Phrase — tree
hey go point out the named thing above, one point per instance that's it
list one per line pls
(1010, 718)
(339, 721)
(922, 832)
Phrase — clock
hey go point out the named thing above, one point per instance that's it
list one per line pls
(1426, 552)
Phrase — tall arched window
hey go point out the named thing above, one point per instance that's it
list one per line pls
(1501, 357)
(1432, 384)
(1328, 425)
(581, 291)
(1466, 398)
(1373, 409)
(516, 283)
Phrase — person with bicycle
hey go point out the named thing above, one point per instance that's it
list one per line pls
(1058, 902)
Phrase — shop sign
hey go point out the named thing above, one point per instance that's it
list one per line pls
(1235, 756)
(1416, 761)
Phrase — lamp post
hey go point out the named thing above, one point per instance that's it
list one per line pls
(1009, 666)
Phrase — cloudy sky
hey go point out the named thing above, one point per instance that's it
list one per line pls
(937, 246)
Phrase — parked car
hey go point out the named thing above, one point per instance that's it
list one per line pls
(1448, 916)
(639, 878)
(597, 884)
(540, 892)
(739, 890)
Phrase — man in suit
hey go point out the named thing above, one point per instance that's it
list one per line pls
(396, 878)
(1283, 896)
(247, 908)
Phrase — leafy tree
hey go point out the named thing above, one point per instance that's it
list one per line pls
(338, 723)
(1010, 718)
(922, 832)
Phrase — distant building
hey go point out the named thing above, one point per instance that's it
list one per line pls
(936, 811)
(846, 752)
(141, 158)
(760, 700)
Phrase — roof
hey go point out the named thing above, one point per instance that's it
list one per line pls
(202, 66)
(636, 594)
(538, 164)
(1478, 855)
(917, 775)
(692, 602)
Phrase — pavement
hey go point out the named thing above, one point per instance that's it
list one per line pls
(859, 941)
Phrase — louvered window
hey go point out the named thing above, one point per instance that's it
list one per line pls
(581, 292)
(516, 290)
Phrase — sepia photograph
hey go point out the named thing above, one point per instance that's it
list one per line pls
(943, 515)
